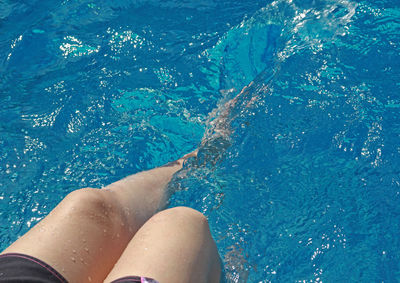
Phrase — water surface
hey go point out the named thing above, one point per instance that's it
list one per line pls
(304, 183)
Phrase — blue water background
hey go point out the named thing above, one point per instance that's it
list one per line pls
(304, 185)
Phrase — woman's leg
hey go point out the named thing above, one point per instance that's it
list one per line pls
(86, 233)
(175, 245)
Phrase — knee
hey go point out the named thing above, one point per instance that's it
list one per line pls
(94, 204)
(184, 216)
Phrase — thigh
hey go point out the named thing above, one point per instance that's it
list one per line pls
(81, 238)
(175, 245)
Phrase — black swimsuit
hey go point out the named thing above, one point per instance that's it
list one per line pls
(21, 268)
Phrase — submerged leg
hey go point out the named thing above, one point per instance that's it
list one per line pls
(175, 245)
(86, 233)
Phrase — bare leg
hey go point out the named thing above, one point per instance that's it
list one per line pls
(86, 233)
(175, 245)
(143, 194)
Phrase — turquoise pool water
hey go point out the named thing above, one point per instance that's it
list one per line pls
(303, 184)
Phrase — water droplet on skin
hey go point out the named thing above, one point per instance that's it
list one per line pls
(84, 240)
(90, 279)
(81, 259)
(105, 231)
(86, 249)
(117, 235)
(73, 259)
(74, 251)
